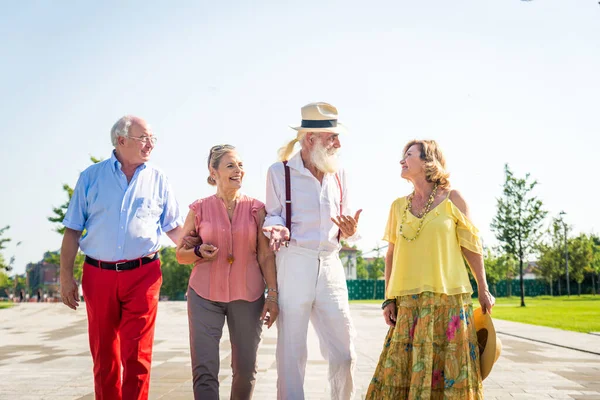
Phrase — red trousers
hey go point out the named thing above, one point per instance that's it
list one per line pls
(121, 309)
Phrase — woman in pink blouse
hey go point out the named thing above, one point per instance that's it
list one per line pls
(231, 268)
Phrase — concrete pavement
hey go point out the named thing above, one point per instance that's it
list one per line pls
(44, 355)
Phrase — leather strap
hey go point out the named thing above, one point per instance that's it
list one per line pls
(337, 178)
(288, 199)
(121, 265)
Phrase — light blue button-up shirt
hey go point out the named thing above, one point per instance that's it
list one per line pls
(121, 221)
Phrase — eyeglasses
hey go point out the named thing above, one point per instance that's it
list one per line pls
(144, 139)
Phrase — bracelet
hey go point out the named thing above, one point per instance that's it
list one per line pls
(386, 302)
(272, 290)
(197, 251)
(272, 299)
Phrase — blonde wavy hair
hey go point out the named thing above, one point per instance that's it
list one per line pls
(435, 162)
(286, 151)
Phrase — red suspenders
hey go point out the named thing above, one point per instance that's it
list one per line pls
(288, 199)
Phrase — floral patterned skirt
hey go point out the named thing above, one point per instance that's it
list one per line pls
(432, 351)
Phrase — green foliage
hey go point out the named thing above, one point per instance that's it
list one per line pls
(580, 258)
(57, 218)
(175, 275)
(53, 257)
(5, 284)
(518, 219)
(498, 268)
(4, 240)
(3, 264)
(377, 268)
(60, 211)
(595, 265)
(361, 268)
(550, 263)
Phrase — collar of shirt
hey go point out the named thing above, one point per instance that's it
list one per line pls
(297, 163)
(116, 164)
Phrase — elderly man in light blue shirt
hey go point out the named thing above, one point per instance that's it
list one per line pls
(122, 205)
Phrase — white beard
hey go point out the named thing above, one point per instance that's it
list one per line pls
(325, 160)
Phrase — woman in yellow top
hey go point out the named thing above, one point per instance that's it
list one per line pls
(430, 351)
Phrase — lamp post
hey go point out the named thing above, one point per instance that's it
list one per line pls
(566, 251)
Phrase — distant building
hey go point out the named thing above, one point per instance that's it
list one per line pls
(348, 258)
(44, 276)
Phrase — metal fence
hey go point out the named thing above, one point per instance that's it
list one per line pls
(371, 289)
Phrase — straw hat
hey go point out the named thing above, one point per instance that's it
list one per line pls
(489, 344)
(319, 117)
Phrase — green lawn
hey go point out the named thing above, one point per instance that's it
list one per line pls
(580, 314)
(5, 305)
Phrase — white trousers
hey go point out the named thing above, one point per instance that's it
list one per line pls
(312, 286)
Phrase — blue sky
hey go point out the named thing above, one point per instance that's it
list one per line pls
(493, 81)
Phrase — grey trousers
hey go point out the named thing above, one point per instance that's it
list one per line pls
(206, 319)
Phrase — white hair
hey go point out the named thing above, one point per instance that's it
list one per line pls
(120, 128)
(325, 160)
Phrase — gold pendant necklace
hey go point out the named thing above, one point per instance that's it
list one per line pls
(419, 215)
(230, 207)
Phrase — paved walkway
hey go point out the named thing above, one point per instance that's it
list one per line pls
(44, 355)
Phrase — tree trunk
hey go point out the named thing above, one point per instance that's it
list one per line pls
(375, 290)
(578, 288)
(559, 290)
(551, 294)
(509, 287)
(522, 283)
(593, 285)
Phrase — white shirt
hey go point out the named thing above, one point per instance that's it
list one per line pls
(313, 205)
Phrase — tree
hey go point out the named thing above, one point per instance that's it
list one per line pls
(595, 265)
(5, 284)
(361, 268)
(53, 257)
(3, 264)
(60, 211)
(377, 269)
(175, 275)
(580, 258)
(498, 268)
(509, 268)
(559, 235)
(518, 220)
(59, 216)
(492, 270)
(549, 263)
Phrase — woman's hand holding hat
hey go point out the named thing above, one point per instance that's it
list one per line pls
(486, 300)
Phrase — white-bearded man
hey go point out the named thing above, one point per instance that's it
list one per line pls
(306, 219)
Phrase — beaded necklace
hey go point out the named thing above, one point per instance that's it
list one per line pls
(419, 215)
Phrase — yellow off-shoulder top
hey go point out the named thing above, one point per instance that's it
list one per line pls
(434, 261)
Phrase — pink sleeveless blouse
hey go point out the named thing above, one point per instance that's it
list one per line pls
(220, 280)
